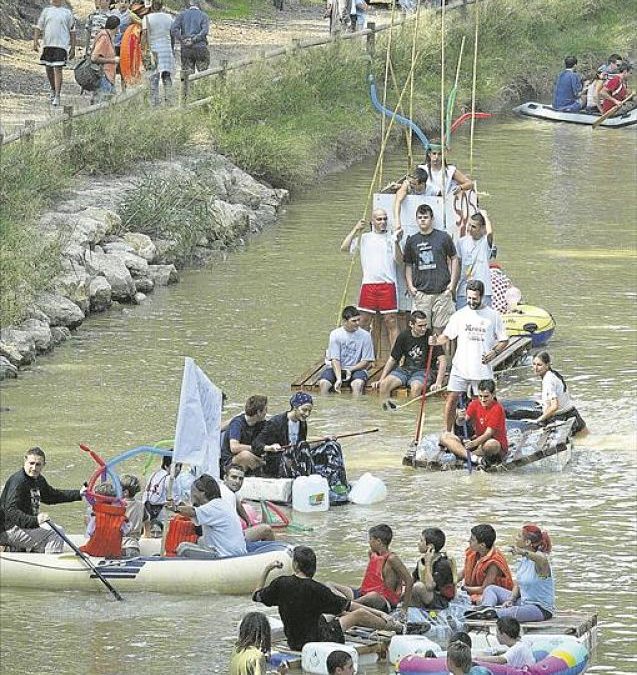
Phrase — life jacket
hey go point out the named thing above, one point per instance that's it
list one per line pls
(475, 570)
(373, 580)
(106, 540)
(180, 529)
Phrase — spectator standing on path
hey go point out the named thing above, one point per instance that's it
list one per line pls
(56, 29)
(96, 22)
(103, 53)
(126, 18)
(157, 39)
(190, 29)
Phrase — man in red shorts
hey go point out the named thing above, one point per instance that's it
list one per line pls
(378, 290)
(489, 444)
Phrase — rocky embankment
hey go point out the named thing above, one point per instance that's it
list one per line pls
(104, 263)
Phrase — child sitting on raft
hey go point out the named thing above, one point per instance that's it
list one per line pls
(435, 574)
(253, 647)
(134, 515)
(106, 524)
(386, 579)
(519, 653)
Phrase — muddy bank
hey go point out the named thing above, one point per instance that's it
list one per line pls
(105, 261)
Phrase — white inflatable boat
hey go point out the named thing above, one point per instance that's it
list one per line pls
(547, 112)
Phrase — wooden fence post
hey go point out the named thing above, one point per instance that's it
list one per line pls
(185, 85)
(371, 38)
(223, 73)
(67, 125)
(29, 126)
(296, 42)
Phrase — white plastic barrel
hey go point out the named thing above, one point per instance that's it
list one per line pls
(310, 494)
(314, 656)
(405, 645)
(368, 490)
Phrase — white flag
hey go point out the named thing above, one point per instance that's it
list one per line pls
(197, 437)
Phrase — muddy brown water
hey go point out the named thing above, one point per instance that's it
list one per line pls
(563, 203)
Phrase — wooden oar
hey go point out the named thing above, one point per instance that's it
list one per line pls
(336, 438)
(392, 405)
(86, 560)
(612, 111)
(423, 397)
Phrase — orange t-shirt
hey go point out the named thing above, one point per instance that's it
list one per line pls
(104, 48)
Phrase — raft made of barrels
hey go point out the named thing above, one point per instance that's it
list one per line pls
(554, 655)
(236, 575)
(527, 444)
(547, 112)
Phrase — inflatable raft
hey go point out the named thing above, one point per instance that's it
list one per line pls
(546, 112)
(530, 321)
(554, 655)
(527, 444)
(147, 573)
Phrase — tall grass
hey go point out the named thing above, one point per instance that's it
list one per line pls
(286, 120)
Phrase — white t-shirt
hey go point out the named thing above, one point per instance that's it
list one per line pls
(520, 655)
(221, 527)
(553, 387)
(477, 332)
(349, 348)
(156, 491)
(377, 257)
(474, 262)
(56, 24)
(158, 25)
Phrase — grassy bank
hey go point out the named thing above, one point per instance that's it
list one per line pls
(286, 120)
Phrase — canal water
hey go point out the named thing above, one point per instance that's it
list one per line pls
(562, 200)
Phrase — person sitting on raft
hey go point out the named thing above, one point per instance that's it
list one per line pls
(349, 354)
(435, 574)
(489, 444)
(459, 660)
(406, 364)
(236, 445)
(107, 523)
(567, 95)
(232, 482)
(519, 653)
(532, 597)
(464, 638)
(443, 182)
(386, 580)
(484, 564)
(249, 656)
(22, 524)
(134, 515)
(555, 398)
(221, 528)
(155, 497)
(302, 602)
(615, 90)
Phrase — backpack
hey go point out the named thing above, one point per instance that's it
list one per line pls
(87, 74)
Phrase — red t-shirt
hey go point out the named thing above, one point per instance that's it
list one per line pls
(617, 88)
(492, 417)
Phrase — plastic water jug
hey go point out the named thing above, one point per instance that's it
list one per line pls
(404, 645)
(310, 493)
(368, 490)
(314, 656)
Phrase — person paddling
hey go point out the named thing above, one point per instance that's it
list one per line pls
(22, 524)
(556, 400)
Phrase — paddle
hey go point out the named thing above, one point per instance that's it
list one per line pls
(612, 111)
(86, 560)
(423, 396)
(336, 438)
(392, 405)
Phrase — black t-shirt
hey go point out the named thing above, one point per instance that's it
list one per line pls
(414, 350)
(300, 601)
(427, 254)
(241, 431)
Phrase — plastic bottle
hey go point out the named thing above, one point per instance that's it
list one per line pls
(310, 494)
(368, 490)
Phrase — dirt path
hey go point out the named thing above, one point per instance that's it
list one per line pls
(24, 88)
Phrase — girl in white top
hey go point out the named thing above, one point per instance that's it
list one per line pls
(556, 400)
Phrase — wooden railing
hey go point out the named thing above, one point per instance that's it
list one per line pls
(69, 114)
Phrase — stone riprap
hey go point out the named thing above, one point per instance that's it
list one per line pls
(103, 263)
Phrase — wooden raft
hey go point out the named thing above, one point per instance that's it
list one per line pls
(515, 352)
(577, 624)
(364, 640)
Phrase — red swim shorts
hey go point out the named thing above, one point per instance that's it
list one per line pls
(378, 298)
